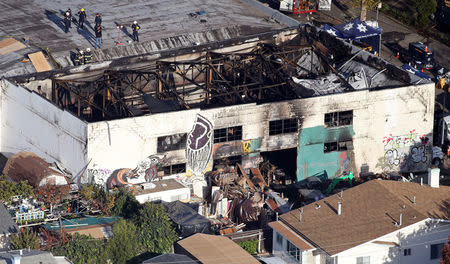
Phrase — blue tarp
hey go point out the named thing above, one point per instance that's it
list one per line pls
(415, 71)
(357, 29)
(332, 31)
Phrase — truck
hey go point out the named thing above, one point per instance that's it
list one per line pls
(418, 55)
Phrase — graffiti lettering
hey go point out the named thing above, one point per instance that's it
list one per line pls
(418, 154)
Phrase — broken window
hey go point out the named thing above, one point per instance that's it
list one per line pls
(171, 142)
(174, 169)
(227, 134)
(283, 126)
(338, 146)
(337, 119)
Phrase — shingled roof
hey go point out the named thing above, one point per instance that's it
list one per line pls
(7, 225)
(369, 210)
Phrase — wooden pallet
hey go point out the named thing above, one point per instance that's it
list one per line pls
(10, 45)
(39, 62)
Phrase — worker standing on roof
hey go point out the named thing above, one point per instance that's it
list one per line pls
(88, 56)
(79, 58)
(81, 17)
(98, 19)
(98, 36)
(67, 20)
(135, 28)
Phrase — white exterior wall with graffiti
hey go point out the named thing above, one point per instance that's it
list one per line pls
(391, 128)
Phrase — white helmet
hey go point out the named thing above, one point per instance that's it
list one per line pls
(135, 22)
(81, 51)
(67, 13)
(88, 49)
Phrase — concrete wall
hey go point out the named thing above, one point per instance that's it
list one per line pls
(417, 237)
(386, 132)
(31, 123)
(166, 196)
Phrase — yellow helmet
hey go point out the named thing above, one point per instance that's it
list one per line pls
(82, 9)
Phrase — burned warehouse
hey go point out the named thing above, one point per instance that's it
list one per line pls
(265, 94)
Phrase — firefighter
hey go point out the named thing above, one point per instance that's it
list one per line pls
(67, 20)
(81, 17)
(79, 58)
(98, 19)
(135, 28)
(88, 56)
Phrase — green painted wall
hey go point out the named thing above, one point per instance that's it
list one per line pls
(311, 158)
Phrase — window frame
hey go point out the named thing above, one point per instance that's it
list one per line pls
(407, 252)
(178, 146)
(338, 119)
(283, 126)
(339, 146)
(174, 169)
(438, 250)
(293, 251)
(227, 134)
(363, 260)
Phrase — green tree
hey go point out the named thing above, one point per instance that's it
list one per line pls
(364, 5)
(25, 239)
(8, 189)
(155, 228)
(125, 204)
(83, 249)
(251, 246)
(424, 10)
(124, 245)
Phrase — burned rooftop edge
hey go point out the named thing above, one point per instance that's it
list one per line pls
(268, 67)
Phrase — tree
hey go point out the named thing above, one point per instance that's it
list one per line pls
(364, 5)
(155, 228)
(97, 197)
(124, 245)
(52, 194)
(83, 249)
(8, 189)
(125, 204)
(446, 254)
(424, 10)
(25, 239)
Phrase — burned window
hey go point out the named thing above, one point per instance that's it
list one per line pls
(171, 142)
(283, 126)
(174, 169)
(227, 134)
(338, 146)
(337, 119)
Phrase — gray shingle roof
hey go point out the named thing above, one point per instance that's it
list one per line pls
(7, 225)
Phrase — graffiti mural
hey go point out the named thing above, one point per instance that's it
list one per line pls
(145, 171)
(148, 168)
(199, 149)
(406, 153)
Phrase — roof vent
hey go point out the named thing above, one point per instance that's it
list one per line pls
(414, 199)
(317, 206)
(339, 209)
(399, 223)
(341, 194)
(148, 186)
(301, 214)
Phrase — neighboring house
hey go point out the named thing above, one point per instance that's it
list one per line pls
(170, 258)
(169, 190)
(27, 166)
(27, 256)
(211, 249)
(97, 227)
(7, 227)
(376, 222)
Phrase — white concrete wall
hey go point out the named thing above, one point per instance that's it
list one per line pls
(377, 114)
(166, 196)
(31, 123)
(417, 237)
